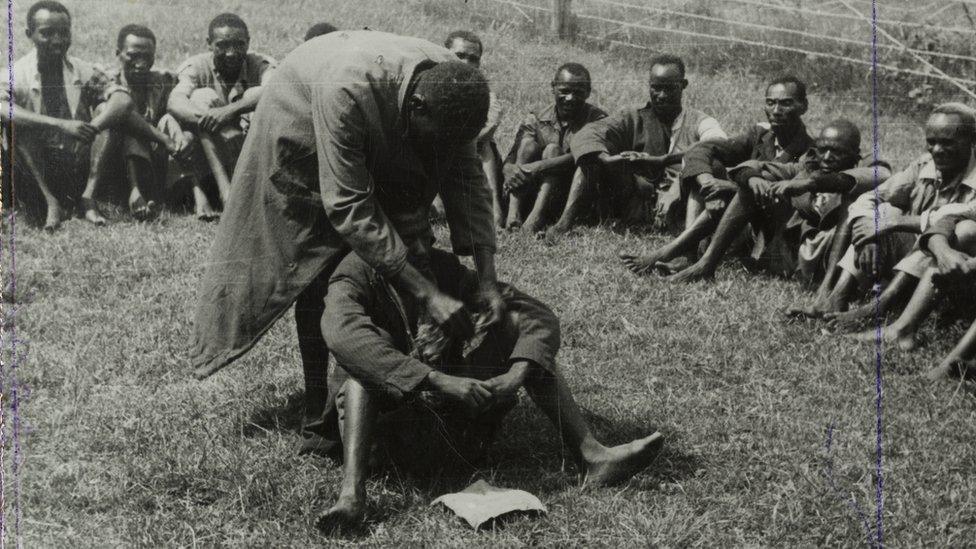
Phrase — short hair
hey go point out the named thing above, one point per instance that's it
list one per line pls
(800, 85)
(965, 114)
(465, 35)
(666, 59)
(49, 5)
(141, 31)
(231, 20)
(456, 93)
(574, 69)
(319, 29)
(849, 128)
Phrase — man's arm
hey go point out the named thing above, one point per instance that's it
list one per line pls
(605, 138)
(699, 159)
(179, 104)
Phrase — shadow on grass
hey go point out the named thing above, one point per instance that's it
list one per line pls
(283, 415)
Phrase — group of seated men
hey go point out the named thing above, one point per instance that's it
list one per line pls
(135, 133)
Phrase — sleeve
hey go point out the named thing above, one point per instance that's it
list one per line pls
(187, 79)
(101, 85)
(362, 348)
(495, 112)
(896, 190)
(467, 204)
(612, 135)
(346, 185)
(710, 130)
(699, 159)
(266, 66)
(944, 225)
(869, 176)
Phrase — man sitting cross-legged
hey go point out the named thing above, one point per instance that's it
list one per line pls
(370, 328)
(951, 242)
(216, 92)
(150, 135)
(885, 223)
(783, 138)
(639, 152)
(539, 169)
(61, 104)
(794, 209)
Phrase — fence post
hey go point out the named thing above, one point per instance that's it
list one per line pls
(561, 24)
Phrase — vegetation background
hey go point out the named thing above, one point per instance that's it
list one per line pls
(770, 427)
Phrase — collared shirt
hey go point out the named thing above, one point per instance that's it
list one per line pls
(919, 190)
(759, 143)
(199, 71)
(546, 129)
(85, 84)
(325, 169)
(627, 131)
(150, 98)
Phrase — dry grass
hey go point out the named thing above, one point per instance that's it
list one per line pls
(123, 447)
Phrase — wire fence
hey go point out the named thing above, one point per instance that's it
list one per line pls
(920, 40)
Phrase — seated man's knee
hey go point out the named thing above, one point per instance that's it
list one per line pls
(205, 98)
(966, 236)
(551, 151)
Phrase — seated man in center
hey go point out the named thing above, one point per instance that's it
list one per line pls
(783, 138)
(216, 92)
(395, 366)
(639, 151)
(794, 209)
(539, 169)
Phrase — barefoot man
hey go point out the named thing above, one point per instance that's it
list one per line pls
(783, 138)
(354, 135)
(372, 329)
(55, 98)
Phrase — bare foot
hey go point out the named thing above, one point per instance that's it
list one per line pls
(693, 273)
(92, 215)
(619, 463)
(554, 234)
(850, 320)
(816, 310)
(889, 334)
(674, 266)
(347, 514)
(205, 212)
(641, 265)
(55, 215)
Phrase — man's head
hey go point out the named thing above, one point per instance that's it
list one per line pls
(448, 106)
(466, 45)
(136, 50)
(839, 146)
(950, 134)
(319, 29)
(667, 84)
(49, 28)
(786, 102)
(229, 40)
(571, 88)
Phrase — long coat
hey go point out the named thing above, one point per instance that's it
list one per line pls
(326, 168)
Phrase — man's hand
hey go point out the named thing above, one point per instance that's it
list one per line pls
(183, 145)
(953, 264)
(646, 159)
(761, 188)
(508, 384)
(790, 188)
(863, 231)
(490, 295)
(473, 394)
(867, 258)
(82, 131)
(450, 315)
(715, 188)
(216, 117)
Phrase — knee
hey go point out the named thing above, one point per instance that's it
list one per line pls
(205, 98)
(965, 233)
(551, 151)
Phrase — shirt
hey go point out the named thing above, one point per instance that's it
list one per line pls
(919, 190)
(85, 86)
(546, 129)
(199, 72)
(325, 169)
(759, 143)
(151, 97)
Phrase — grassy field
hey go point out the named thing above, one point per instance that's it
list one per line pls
(123, 447)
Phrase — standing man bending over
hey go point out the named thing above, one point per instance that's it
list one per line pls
(54, 120)
(215, 92)
(355, 134)
(639, 151)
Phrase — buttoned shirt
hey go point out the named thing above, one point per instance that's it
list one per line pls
(199, 71)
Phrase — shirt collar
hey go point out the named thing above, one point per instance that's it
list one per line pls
(68, 69)
(241, 76)
(968, 178)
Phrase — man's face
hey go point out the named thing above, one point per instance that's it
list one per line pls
(229, 46)
(837, 150)
(783, 106)
(948, 143)
(137, 56)
(467, 51)
(52, 34)
(571, 92)
(666, 88)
